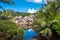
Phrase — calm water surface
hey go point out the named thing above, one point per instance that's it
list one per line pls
(29, 34)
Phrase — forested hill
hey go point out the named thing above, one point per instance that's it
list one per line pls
(22, 14)
(13, 13)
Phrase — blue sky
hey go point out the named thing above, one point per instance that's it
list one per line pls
(25, 5)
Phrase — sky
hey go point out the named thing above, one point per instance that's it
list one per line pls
(30, 6)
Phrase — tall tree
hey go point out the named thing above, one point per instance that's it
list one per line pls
(49, 18)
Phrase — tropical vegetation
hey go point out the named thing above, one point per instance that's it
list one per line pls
(9, 29)
(49, 18)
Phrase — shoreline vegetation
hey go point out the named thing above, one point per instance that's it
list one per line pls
(46, 22)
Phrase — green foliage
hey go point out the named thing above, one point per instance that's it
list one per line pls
(46, 32)
(9, 14)
(49, 17)
(21, 14)
(7, 2)
(4, 18)
(56, 25)
(8, 28)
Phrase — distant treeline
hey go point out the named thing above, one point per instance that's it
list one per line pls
(13, 13)
(22, 14)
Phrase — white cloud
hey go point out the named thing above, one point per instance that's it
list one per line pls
(35, 1)
(31, 10)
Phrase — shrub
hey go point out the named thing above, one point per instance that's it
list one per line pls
(8, 28)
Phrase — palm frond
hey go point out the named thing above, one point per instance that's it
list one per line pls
(7, 1)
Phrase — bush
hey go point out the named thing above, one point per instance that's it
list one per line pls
(8, 28)
(4, 18)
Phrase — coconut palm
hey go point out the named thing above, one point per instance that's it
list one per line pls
(49, 18)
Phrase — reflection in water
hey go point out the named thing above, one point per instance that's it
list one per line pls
(29, 34)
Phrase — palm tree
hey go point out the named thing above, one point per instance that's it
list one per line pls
(6, 1)
(4, 12)
(49, 18)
